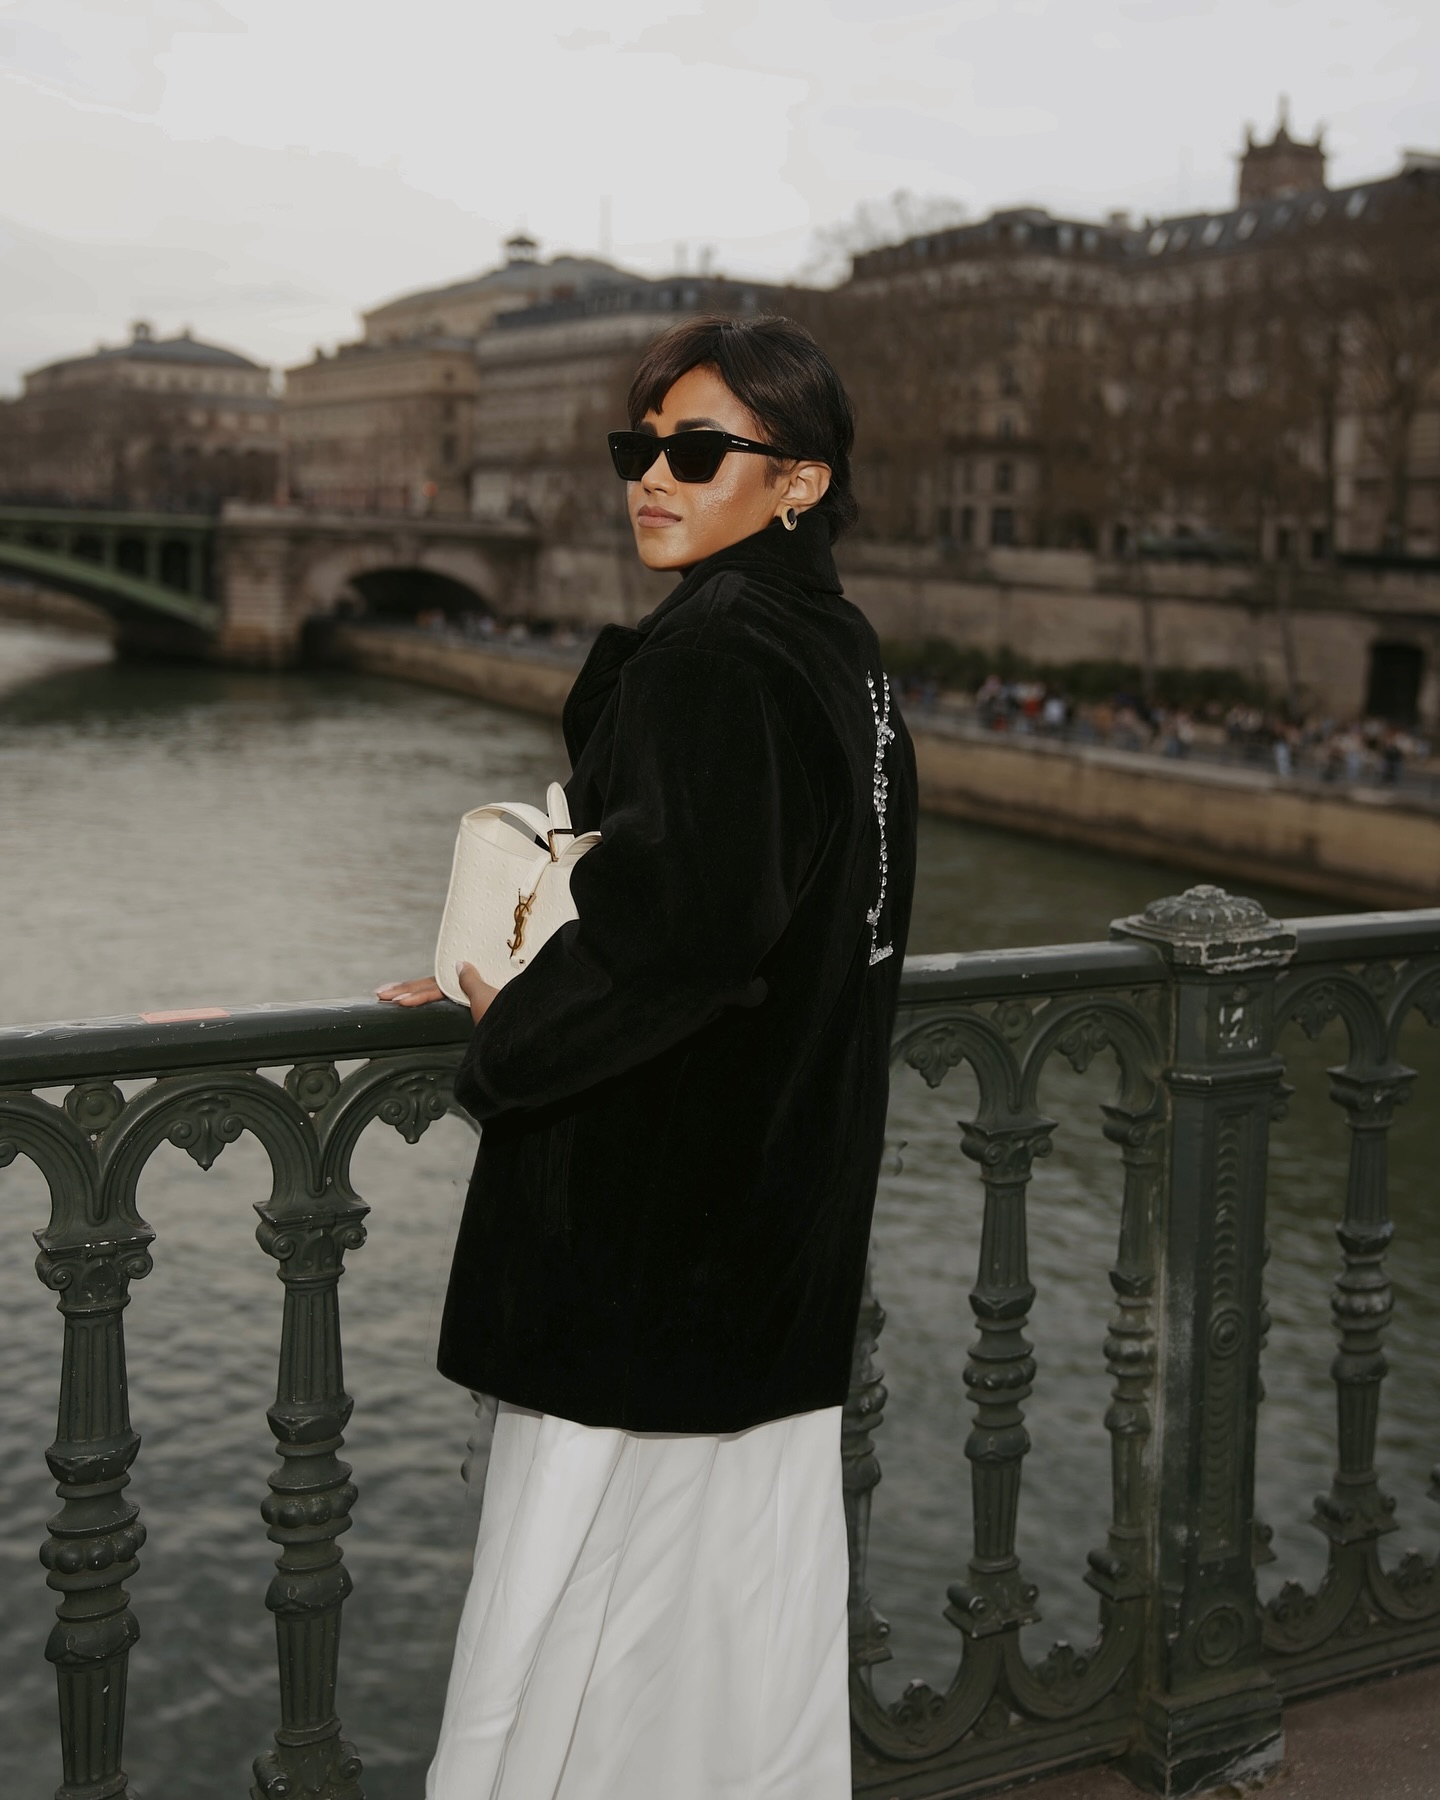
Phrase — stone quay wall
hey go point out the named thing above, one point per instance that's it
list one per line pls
(1313, 636)
(526, 683)
(1201, 618)
(1363, 847)
(30, 605)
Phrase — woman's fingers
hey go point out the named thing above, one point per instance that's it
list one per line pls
(411, 993)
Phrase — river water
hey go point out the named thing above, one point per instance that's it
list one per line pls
(177, 836)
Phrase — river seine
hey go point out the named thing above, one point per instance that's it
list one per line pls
(181, 836)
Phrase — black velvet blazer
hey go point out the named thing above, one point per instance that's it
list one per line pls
(684, 1094)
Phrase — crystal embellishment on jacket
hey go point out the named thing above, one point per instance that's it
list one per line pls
(884, 736)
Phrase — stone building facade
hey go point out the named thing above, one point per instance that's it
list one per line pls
(553, 381)
(491, 396)
(389, 424)
(1259, 381)
(157, 423)
(383, 427)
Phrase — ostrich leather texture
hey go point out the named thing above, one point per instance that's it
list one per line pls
(509, 888)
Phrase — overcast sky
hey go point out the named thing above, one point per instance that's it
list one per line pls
(260, 170)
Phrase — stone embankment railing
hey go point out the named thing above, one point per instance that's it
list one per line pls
(1185, 1683)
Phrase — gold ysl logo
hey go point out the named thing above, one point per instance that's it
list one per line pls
(522, 913)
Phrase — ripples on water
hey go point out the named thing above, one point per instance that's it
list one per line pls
(178, 836)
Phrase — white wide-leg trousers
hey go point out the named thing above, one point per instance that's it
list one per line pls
(653, 1617)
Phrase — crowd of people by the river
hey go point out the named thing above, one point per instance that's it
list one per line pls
(1335, 750)
(1350, 751)
(485, 628)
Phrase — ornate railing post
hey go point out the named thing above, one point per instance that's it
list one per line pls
(860, 1475)
(1355, 1510)
(89, 1255)
(1209, 1711)
(998, 1374)
(1330, 1631)
(1118, 1572)
(311, 1493)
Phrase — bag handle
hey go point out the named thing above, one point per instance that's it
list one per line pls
(558, 808)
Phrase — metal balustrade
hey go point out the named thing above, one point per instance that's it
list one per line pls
(1185, 1679)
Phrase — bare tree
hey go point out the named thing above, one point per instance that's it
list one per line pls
(874, 223)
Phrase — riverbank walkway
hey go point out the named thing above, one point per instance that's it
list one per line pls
(1318, 766)
(1380, 1742)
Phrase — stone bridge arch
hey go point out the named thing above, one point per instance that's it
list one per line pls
(452, 576)
(281, 569)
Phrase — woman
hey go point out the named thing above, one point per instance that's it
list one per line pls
(683, 1099)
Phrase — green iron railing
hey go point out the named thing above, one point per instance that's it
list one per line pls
(1185, 1680)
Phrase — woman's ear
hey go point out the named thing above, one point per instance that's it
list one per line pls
(804, 487)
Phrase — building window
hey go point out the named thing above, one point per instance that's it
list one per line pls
(967, 524)
(1009, 382)
(1319, 545)
(944, 520)
(1004, 477)
(1284, 543)
(1002, 525)
(1007, 427)
(447, 449)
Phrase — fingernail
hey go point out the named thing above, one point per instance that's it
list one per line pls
(459, 968)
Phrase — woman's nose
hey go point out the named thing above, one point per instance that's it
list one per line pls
(657, 479)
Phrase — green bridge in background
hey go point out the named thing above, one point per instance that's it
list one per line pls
(242, 585)
(146, 566)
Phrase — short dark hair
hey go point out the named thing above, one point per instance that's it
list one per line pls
(776, 369)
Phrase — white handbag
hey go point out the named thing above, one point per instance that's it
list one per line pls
(509, 888)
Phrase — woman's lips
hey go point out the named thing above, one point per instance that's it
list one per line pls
(656, 515)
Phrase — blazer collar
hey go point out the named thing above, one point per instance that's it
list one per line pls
(802, 556)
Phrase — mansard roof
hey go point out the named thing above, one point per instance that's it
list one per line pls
(1029, 228)
(182, 350)
(1255, 222)
(523, 273)
(669, 294)
(1241, 227)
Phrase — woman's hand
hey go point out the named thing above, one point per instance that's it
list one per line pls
(411, 993)
(420, 993)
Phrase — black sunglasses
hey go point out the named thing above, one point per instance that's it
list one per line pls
(692, 455)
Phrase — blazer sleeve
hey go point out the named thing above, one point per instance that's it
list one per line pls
(708, 829)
